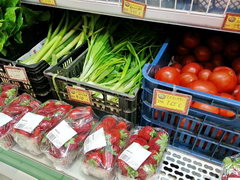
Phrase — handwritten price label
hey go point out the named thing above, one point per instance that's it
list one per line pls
(48, 2)
(231, 22)
(171, 101)
(16, 73)
(79, 95)
(133, 8)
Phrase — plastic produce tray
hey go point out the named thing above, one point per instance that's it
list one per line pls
(202, 133)
(126, 106)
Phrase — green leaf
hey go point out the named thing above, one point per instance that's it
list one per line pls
(9, 3)
(146, 147)
(131, 172)
(18, 37)
(3, 39)
(10, 19)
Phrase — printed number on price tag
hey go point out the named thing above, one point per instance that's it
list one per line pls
(79, 95)
(95, 141)
(171, 101)
(29, 122)
(61, 134)
(16, 73)
(4, 119)
(134, 155)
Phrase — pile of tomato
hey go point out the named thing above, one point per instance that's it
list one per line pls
(211, 66)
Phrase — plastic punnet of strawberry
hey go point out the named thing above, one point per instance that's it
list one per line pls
(29, 131)
(102, 147)
(12, 113)
(62, 144)
(7, 93)
(143, 154)
(231, 167)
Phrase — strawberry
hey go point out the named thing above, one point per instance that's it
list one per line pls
(53, 151)
(83, 128)
(124, 133)
(146, 170)
(122, 125)
(142, 142)
(107, 160)
(94, 159)
(6, 87)
(22, 132)
(132, 138)
(109, 122)
(126, 170)
(36, 132)
(158, 143)
(147, 133)
(113, 136)
(116, 149)
(154, 157)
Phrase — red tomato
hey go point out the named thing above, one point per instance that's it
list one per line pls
(191, 40)
(236, 64)
(237, 96)
(186, 78)
(192, 68)
(188, 59)
(202, 53)
(225, 68)
(203, 86)
(238, 78)
(206, 107)
(217, 60)
(182, 50)
(168, 74)
(225, 112)
(177, 66)
(208, 65)
(215, 43)
(236, 90)
(224, 78)
(204, 74)
(232, 49)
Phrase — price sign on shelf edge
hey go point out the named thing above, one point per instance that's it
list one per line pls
(133, 8)
(79, 95)
(48, 2)
(16, 73)
(171, 101)
(231, 22)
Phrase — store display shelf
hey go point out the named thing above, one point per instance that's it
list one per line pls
(205, 14)
(177, 165)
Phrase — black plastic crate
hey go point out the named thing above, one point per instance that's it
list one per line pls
(127, 106)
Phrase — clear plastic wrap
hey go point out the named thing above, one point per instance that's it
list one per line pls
(15, 110)
(231, 168)
(52, 111)
(80, 119)
(132, 163)
(7, 93)
(102, 147)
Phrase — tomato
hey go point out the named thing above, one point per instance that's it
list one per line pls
(182, 50)
(208, 65)
(191, 40)
(186, 78)
(237, 96)
(238, 78)
(224, 112)
(217, 60)
(203, 86)
(206, 107)
(236, 90)
(177, 66)
(215, 43)
(232, 49)
(202, 53)
(224, 78)
(169, 75)
(188, 59)
(192, 68)
(236, 64)
(204, 74)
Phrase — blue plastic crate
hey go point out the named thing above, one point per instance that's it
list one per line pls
(204, 134)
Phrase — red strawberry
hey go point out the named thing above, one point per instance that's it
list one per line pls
(34, 103)
(142, 142)
(22, 132)
(107, 160)
(7, 87)
(36, 132)
(83, 128)
(122, 125)
(113, 136)
(154, 157)
(94, 159)
(116, 149)
(109, 122)
(126, 170)
(132, 138)
(146, 170)
(74, 142)
(53, 151)
(147, 133)
(158, 143)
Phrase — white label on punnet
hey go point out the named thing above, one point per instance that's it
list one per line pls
(4, 119)
(134, 155)
(61, 134)
(94, 141)
(29, 122)
(233, 178)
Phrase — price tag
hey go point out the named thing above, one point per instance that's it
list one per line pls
(79, 95)
(133, 8)
(61, 134)
(16, 73)
(231, 22)
(4, 119)
(171, 101)
(29, 122)
(95, 141)
(134, 155)
(48, 2)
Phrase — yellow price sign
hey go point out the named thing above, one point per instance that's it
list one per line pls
(134, 8)
(171, 101)
(231, 22)
(48, 2)
(79, 95)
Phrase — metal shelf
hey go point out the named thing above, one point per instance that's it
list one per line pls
(205, 14)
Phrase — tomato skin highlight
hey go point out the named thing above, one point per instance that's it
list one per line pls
(203, 86)
(168, 74)
(206, 107)
(177, 66)
(204, 74)
(192, 68)
(186, 78)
